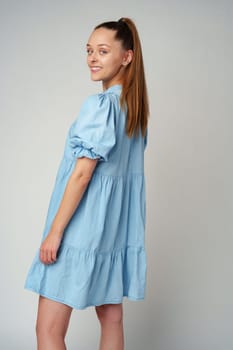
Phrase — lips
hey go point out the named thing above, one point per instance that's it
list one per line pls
(95, 69)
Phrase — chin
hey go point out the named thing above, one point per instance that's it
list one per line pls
(95, 78)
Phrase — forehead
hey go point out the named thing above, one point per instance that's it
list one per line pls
(103, 36)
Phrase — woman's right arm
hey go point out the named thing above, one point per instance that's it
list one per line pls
(75, 188)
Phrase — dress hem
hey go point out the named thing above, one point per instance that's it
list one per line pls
(79, 307)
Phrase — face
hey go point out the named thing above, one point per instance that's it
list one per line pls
(106, 57)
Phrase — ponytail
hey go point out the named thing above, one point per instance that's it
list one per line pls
(134, 91)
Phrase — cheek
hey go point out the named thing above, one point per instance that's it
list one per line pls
(118, 59)
(113, 62)
(117, 63)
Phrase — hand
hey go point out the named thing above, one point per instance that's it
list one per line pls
(49, 248)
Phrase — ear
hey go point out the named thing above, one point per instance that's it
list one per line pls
(128, 56)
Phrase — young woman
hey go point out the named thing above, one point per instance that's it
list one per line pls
(92, 251)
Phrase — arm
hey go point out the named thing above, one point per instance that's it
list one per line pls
(74, 191)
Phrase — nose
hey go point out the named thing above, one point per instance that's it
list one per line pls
(93, 57)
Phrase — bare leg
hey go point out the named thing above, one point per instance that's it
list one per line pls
(111, 321)
(52, 323)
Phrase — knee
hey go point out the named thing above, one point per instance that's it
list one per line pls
(48, 330)
(110, 313)
(42, 330)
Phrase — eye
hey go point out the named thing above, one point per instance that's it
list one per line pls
(103, 52)
(89, 51)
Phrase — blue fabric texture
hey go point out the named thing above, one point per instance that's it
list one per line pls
(102, 256)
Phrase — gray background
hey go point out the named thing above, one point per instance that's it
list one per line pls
(188, 57)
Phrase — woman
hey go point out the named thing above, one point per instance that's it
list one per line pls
(92, 252)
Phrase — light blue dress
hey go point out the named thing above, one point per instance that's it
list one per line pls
(102, 256)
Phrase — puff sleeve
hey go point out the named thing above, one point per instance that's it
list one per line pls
(93, 134)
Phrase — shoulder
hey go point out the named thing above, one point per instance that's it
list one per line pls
(102, 100)
(98, 110)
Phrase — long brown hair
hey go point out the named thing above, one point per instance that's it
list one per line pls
(134, 91)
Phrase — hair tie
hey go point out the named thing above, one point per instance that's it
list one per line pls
(122, 21)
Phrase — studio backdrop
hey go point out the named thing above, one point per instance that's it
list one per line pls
(187, 48)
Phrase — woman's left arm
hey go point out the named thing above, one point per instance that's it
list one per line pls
(74, 191)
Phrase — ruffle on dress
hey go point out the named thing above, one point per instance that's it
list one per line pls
(117, 274)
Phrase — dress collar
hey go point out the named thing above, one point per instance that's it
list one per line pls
(114, 88)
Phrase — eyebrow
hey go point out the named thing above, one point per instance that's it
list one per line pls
(100, 45)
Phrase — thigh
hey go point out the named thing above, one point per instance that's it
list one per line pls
(52, 316)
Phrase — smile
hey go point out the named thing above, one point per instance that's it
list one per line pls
(95, 69)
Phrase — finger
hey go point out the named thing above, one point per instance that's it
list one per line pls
(49, 257)
(54, 255)
(42, 256)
